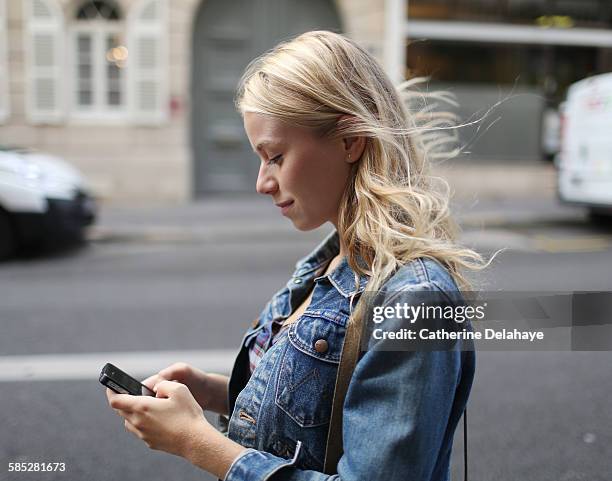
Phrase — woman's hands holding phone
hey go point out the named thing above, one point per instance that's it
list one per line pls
(165, 423)
(174, 421)
(208, 389)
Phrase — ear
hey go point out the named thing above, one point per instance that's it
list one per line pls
(353, 146)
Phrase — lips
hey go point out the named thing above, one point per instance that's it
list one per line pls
(285, 206)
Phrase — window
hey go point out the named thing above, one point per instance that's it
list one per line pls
(99, 61)
(552, 68)
(98, 10)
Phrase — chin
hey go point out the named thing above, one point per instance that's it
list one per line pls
(307, 226)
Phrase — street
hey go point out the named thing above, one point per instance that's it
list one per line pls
(153, 282)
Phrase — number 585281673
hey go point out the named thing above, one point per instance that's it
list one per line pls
(36, 467)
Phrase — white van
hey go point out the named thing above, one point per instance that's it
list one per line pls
(585, 160)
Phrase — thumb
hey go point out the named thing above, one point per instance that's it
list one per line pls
(166, 388)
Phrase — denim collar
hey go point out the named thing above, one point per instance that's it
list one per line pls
(342, 277)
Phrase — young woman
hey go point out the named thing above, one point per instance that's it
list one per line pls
(337, 144)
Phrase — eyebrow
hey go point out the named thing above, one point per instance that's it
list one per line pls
(265, 143)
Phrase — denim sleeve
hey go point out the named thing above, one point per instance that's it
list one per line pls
(399, 417)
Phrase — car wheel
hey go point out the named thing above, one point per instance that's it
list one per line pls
(8, 243)
(600, 217)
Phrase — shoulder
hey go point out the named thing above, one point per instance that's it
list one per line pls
(421, 294)
(422, 281)
(423, 273)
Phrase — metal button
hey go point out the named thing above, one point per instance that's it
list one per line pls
(321, 346)
(297, 280)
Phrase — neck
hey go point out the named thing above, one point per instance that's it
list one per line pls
(333, 263)
(342, 252)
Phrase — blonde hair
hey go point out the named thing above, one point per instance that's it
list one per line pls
(392, 211)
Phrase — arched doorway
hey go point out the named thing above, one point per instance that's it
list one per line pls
(227, 35)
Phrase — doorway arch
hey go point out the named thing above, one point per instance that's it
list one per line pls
(226, 36)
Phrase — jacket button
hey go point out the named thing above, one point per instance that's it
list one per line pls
(321, 346)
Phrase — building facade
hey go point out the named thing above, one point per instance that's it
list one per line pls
(138, 93)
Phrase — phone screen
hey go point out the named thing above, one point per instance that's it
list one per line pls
(117, 377)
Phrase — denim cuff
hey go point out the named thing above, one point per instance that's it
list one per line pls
(254, 465)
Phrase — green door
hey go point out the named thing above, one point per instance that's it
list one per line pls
(227, 35)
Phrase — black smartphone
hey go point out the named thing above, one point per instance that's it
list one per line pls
(122, 383)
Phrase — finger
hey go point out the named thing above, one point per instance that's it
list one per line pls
(166, 373)
(130, 427)
(124, 402)
(177, 370)
(111, 396)
(168, 388)
(151, 381)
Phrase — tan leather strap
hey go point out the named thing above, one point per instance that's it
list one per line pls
(348, 360)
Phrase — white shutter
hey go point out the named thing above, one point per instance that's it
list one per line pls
(4, 98)
(147, 64)
(44, 61)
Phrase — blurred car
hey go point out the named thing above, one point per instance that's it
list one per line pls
(44, 202)
(585, 160)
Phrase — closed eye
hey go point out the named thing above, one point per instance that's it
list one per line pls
(275, 160)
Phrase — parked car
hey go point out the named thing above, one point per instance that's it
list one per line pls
(44, 202)
(585, 160)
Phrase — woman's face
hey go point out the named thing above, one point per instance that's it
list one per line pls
(303, 173)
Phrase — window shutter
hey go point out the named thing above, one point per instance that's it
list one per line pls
(44, 61)
(4, 98)
(147, 65)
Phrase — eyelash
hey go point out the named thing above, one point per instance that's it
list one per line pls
(275, 160)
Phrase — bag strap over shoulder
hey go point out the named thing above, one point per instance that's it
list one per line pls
(348, 361)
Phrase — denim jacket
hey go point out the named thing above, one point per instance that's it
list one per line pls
(401, 408)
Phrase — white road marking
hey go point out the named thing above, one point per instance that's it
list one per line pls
(88, 366)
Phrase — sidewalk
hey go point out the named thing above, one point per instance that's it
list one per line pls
(499, 181)
(486, 196)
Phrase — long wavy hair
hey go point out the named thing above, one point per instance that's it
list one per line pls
(392, 210)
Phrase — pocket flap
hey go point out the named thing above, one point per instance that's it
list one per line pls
(318, 336)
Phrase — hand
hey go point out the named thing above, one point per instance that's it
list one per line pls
(209, 390)
(174, 422)
(169, 422)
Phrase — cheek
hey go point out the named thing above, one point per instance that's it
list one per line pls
(320, 180)
(331, 174)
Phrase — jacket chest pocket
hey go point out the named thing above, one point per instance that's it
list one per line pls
(307, 372)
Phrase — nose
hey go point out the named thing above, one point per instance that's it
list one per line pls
(266, 183)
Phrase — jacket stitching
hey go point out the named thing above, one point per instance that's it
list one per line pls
(301, 423)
